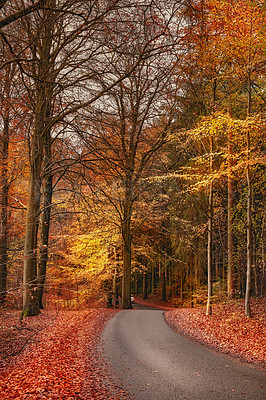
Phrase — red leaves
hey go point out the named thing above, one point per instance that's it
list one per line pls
(61, 361)
(227, 330)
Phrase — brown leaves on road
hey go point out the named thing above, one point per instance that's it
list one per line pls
(226, 330)
(57, 357)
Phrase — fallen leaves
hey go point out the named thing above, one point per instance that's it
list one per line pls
(55, 357)
(226, 330)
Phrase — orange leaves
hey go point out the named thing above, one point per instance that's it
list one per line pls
(61, 361)
(227, 32)
(227, 330)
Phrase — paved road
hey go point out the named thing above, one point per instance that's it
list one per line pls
(152, 362)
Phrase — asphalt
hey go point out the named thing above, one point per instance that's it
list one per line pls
(152, 362)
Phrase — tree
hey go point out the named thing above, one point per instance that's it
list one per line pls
(125, 147)
(20, 13)
(11, 115)
(229, 35)
(50, 79)
(5, 114)
(230, 240)
(131, 124)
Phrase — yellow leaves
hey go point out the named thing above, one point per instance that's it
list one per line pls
(215, 125)
(218, 125)
(217, 128)
(89, 252)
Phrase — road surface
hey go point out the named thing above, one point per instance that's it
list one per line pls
(152, 362)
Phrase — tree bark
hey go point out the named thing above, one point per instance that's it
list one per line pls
(46, 215)
(152, 278)
(249, 255)
(127, 241)
(4, 192)
(4, 208)
(249, 227)
(163, 284)
(145, 291)
(30, 283)
(209, 250)
(42, 113)
(45, 228)
(230, 272)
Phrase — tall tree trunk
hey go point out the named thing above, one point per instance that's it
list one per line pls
(4, 208)
(42, 112)
(230, 240)
(127, 241)
(163, 285)
(145, 291)
(30, 282)
(152, 278)
(4, 193)
(210, 216)
(116, 278)
(210, 221)
(45, 228)
(249, 255)
(249, 195)
(46, 215)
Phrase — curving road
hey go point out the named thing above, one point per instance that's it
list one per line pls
(152, 362)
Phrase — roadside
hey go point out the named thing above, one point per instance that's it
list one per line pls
(55, 356)
(226, 330)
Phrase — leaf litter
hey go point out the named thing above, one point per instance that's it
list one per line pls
(55, 356)
(226, 330)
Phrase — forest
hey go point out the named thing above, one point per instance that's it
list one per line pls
(132, 152)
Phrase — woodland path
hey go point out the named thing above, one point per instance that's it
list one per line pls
(152, 362)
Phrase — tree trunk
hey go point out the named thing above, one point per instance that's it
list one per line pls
(152, 278)
(145, 292)
(45, 228)
(115, 288)
(126, 282)
(4, 193)
(127, 240)
(249, 256)
(42, 113)
(230, 272)
(163, 285)
(249, 227)
(30, 283)
(4, 209)
(46, 215)
(209, 250)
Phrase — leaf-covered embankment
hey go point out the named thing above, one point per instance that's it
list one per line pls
(226, 330)
(55, 356)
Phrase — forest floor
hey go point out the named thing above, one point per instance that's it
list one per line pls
(227, 330)
(56, 355)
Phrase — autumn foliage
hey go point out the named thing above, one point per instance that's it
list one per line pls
(118, 124)
(55, 356)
